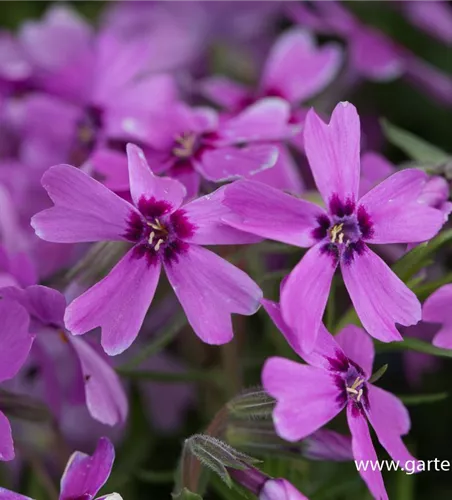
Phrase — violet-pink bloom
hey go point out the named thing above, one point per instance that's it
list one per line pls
(15, 69)
(102, 75)
(336, 377)
(324, 444)
(15, 344)
(83, 477)
(375, 168)
(436, 309)
(373, 55)
(296, 69)
(432, 16)
(88, 377)
(338, 236)
(280, 489)
(194, 143)
(163, 233)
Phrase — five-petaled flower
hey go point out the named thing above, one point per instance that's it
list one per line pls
(164, 234)
(336, 377)
(339, 236)
(83, 477)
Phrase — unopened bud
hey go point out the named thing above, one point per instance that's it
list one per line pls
(218, 456)
(252, 404)
(328, 445)
(280, 489)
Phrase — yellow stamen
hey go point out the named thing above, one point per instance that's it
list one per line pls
(357, 382)
(151, 237)
(336, 233)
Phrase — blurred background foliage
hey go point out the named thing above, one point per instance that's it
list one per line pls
(146, 459)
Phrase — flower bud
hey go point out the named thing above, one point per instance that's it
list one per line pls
(327, 445)
(280, 489)
(252, 404)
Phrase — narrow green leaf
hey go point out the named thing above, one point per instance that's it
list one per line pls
(423, 291)
(413, 146)
(420, 399)
(412, 344)
(378, 374)
(415, 260)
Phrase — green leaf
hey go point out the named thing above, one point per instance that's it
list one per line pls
(420, 399)
(412, 344)
(413, 146)
(424, 290)
(378, 374)
(415, 260)
(186, 495)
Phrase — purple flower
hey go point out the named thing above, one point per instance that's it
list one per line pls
(432, 16)
(338, 236)
(336, 377)
(100, 77)
(375, 168)
(194, 143)
(162, 232)
(15, 344)
(436, 309)
(372, 54)
(84, 475)
(280, 489)
(72, 369)
(296, 69)
(262, 485)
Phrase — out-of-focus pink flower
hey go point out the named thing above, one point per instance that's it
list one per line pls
(191, 144)
(373, 55)
(434, 17)
(87, 376)
(437, 310)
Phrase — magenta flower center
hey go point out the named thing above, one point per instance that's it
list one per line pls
(159, 233)
(343, 229)
(350, 380)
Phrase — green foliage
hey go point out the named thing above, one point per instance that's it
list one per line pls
(413, 146)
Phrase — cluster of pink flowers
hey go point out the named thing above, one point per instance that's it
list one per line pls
(119, 137)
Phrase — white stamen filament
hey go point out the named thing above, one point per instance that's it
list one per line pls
(157, 245)
(151, 237)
